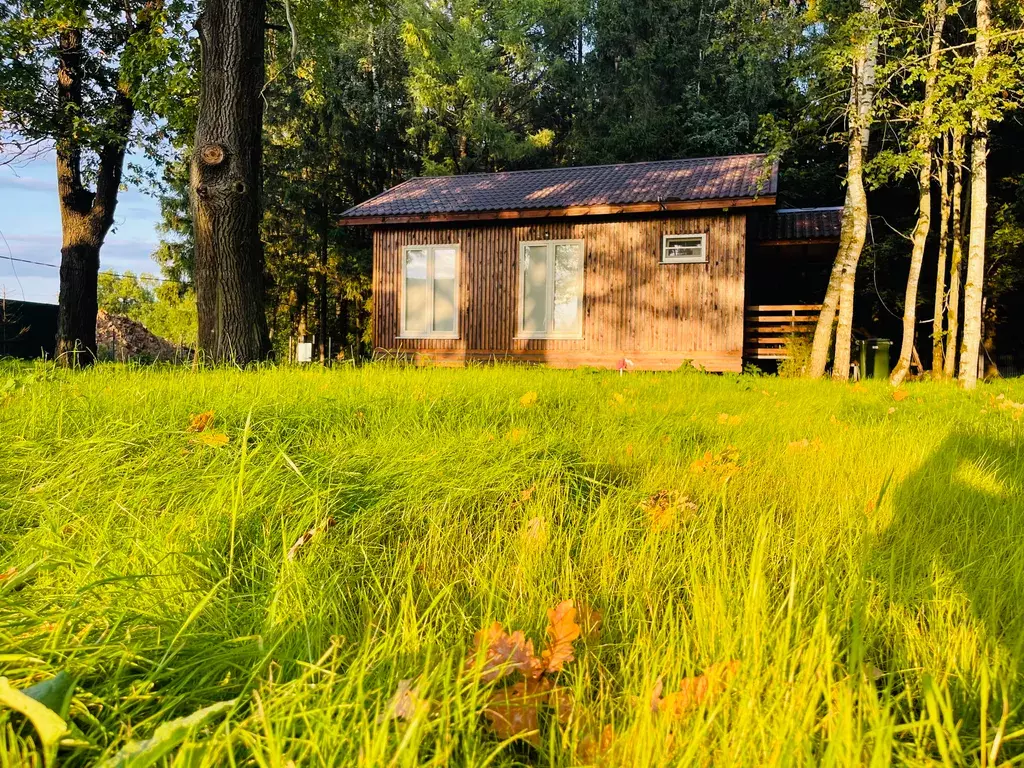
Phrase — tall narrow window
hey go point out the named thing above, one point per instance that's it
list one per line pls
(551, 289)
(430, 291)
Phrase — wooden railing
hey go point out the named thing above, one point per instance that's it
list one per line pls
(767, 327)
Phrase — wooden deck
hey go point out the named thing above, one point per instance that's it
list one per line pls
(767, 327)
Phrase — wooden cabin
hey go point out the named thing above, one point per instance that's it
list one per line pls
(642, 264)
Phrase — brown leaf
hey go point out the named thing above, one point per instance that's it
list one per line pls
(900, 395)
(503, 653)
(562, 631)
(694, 690)
(9, 573)
(561, 702)
(404, 704)
(513, 712)
(593, 748)
(661, 509)
(200, 422)
(529, 399)
(527, 493)
(306, 537)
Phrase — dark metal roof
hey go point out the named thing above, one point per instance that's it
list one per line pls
(801, 224)
(664, 182)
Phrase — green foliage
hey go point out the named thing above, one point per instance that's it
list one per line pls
(859, 556)
(142, 50)
(165, 307)
(477, 79)
(678, 78)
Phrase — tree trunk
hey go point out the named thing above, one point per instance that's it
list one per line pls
(322, 312)
(974, 284)
(839, 295)
(86, 216)
(988, 340)
(957, 235)
(226, 184)
(940, 268)
(925, 142)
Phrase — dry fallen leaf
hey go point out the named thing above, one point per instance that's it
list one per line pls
(725, 463)
(694, 690)
(513, 712)
(404, 704)
(561, 702)
(900, 395)
(725, 418)
(9, 573)
(666, 507)
(593, 748)
(503, 653)
(212, 439)
(530, 398)
(306, 537)
(200, 422)
(562, 631)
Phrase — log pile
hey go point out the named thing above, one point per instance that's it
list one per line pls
(122, 339)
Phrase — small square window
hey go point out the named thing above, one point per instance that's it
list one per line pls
(684, 249)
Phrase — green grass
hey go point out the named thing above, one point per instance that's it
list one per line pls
(870, 580)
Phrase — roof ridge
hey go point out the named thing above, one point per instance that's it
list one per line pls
(557, 168)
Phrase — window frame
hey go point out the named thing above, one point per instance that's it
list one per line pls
(403, 332)
(549, 289)
(702, 236)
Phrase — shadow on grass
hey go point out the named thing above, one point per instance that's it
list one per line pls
(950, 567)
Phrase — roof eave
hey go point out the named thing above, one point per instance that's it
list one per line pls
(579, 210)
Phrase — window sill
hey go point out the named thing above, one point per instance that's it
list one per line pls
(423, 336)
(671, 263)
(548, 337)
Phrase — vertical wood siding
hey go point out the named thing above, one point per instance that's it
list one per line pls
(657, 315)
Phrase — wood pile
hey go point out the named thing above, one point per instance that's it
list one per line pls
(121, 338)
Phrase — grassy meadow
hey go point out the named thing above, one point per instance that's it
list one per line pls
(764, 571)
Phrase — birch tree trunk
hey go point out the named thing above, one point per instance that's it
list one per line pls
(839, 295)
(957, 235)
(974, 284)
(925, 142)
(226, 183)
(939, 307)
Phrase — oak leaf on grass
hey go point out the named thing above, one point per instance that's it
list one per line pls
(200, 422)
(562, 631)
(693, 691)
(503, 653)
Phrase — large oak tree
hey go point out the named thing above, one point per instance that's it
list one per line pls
(78, 78)
(227, 182)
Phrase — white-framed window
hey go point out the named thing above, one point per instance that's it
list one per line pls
(551, 289)
(684, 249)
(430, 292)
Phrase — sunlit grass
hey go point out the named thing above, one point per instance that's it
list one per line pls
(862, 558)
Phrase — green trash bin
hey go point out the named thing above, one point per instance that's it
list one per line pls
(874, 358)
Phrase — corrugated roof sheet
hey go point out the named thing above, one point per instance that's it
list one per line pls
(802, 224)
(710, 178)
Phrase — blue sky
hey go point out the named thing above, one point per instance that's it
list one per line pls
(30, 223)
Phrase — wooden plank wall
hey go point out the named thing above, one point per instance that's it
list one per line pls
(657, 315)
